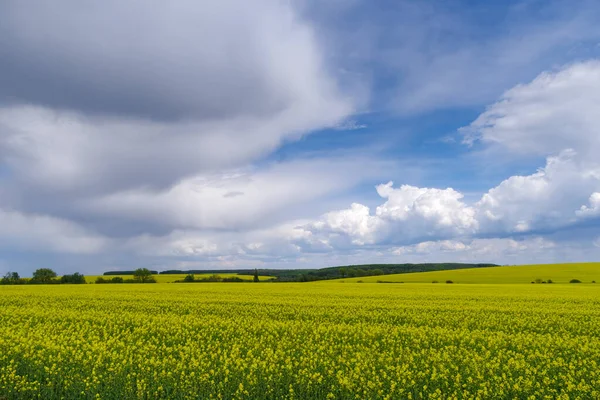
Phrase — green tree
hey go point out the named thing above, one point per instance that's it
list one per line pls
(43, 275)
(143, 275)
(189, 278)
(11, 278)
(255, 275)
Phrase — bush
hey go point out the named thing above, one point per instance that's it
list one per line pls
(574, 281)
(449, 281)
(189, 278)
(550, 281)
(233, 279)
(116, 279)
(75, 278)
(538, 280)
(359, 282)
(212, 278)
(434, 282)
(593, 281)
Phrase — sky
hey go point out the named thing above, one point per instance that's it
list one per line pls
(297, 133)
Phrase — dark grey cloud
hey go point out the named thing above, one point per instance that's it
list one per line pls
(153, 60)
(98, 98)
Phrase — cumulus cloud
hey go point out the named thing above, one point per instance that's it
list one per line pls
(545, 199)
(591, 210)
(407, 214)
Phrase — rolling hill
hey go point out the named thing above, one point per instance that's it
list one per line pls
(558, 273)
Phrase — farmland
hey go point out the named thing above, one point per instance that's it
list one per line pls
(294, 340)
(557, 273)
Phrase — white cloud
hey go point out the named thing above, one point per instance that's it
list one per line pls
(408, 213)
(238, 199)
(593, 209)
(438, 209)
(556, 111)
(545, 199)
(495, 250)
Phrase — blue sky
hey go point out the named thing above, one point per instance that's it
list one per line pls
(297, 133)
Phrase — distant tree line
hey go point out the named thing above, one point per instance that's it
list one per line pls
(42, 276)
(309, 275)
(46, 276)
(140, 275)
(191, 278)
(132, 272)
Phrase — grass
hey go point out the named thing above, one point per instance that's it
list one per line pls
(168, 278)
(558, 273)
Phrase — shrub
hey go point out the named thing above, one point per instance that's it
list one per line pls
(117, 279)
(75, 278)
(233, 279)
(189, 278)
(538, 280)
(101, 280)
(574, 281)
(449, 281)
(593, 281)
(550, 281)
(434, 281)
(359, 281)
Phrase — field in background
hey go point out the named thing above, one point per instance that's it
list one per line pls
(558, 273)
(315, 340)
(165, 278)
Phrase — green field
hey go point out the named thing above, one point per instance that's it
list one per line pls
(558, 273)
(169, 278)
(300, 341)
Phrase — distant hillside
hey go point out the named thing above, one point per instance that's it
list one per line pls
(557, 273)
(346, 271)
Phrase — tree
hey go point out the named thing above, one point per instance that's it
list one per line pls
(189, 278)
(43, 275)
(143, 275)
(11, 278)
(255, 275)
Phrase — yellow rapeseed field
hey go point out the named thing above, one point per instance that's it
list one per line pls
(300, 341)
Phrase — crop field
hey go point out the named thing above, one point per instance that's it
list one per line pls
(302, 341)
(558, 273)
(169, 278)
